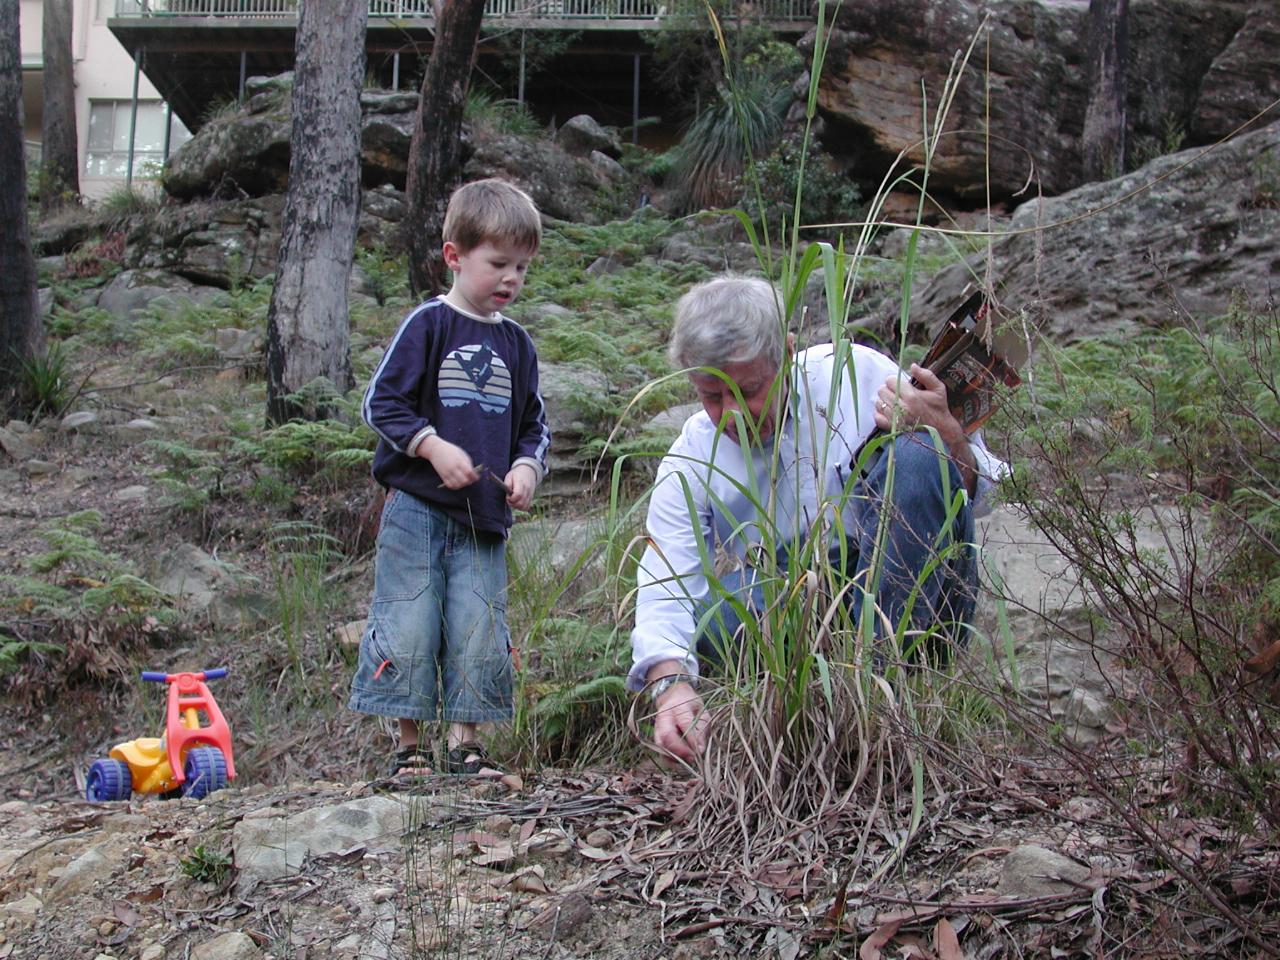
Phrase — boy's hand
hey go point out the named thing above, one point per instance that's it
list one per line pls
(451, 462)
(520, 482)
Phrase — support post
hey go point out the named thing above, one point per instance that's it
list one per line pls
(133, 117)
(635, 101)
(168, 128)
(520, 89)
(244, 66)
(395, 71)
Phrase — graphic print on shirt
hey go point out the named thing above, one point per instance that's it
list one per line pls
(475, 374)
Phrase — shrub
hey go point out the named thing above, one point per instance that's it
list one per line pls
(829, 196)
(1190, 415)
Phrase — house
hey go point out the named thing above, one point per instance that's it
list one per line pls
(186, 56)
(105, 94)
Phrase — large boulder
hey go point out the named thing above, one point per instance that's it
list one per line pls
(132, 291)
(244, 155)
(246, 152)
(218, 244)
(581, 135)
(1244, 76)
(1194, 66)
(563, 186)
(1184, 233)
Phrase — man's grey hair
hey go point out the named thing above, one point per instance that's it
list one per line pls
(731, 319)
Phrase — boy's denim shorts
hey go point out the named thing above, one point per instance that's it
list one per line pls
(437, 643)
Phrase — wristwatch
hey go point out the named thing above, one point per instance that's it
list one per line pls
(663, 684)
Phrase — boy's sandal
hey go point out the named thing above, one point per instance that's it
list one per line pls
(410, 762)
(469, 759)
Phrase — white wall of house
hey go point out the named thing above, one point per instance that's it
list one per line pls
(104, 88)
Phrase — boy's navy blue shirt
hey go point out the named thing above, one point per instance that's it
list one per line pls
(475, 383)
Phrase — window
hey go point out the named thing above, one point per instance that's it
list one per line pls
(108, 151)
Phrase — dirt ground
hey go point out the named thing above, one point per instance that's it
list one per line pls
(610, 862)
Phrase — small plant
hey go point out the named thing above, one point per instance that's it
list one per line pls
(44, 387)
(191, 478)
(744, 121)
(221, 110)
(1264, 173)
(303, 554)
(829, 196)
(206, 865)
(99, 257)
(388, 274)
(494, 116)
(124, 205)
(1147, 148)
(14, 652)
(80, 604)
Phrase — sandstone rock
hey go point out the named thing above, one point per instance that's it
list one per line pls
(246, 153)
(133, 291)
(220, 244)
(1187, 231)
(135, 430)
(236, 344)
(228, 946)
(82, 421)
(602, 266)
(267, 849)
(581, 135)
(562, 186)
(203, 585)
(882, 51)
(1244, 77)
(82, 874)
(39, 468)
(27, 905)
(556, 545)
(349, 634)
(1033, 871)
(15, 446)
(561, 919)
(610, 167)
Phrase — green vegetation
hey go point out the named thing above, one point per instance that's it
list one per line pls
(45, 388)
(207, 865)
(1189, 415)
(494, 116)
(865, 745)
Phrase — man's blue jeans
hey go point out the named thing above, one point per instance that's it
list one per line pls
(918, 536)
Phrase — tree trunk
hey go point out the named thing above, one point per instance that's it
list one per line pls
(435, 153)
(20, 329)
(1104, 118)
(60, 164)
(308, 335)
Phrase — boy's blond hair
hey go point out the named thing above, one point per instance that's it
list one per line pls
(492, 211)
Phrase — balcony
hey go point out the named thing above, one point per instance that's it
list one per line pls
(199, 52)
(534, 14)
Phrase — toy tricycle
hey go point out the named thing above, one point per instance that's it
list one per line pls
(191, 759)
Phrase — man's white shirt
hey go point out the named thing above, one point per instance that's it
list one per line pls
(709, 491)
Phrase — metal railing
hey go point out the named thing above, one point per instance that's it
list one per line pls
(523, 10)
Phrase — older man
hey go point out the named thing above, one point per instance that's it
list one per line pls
(788, 447)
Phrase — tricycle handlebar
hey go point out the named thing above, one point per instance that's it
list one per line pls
(217, 673)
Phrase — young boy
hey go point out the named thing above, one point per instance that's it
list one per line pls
(463, 439)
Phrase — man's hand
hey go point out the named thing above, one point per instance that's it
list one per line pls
(679, 718)
(520, 483)
(451, 462)
(902, 405)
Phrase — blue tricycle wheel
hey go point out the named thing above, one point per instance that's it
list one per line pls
(108, 780)
(205, 770)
